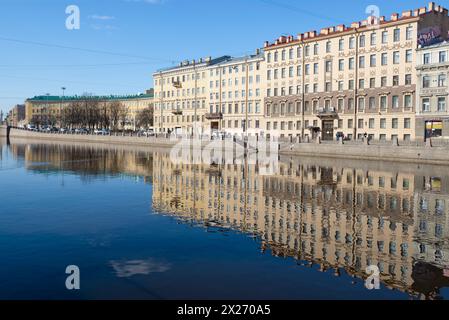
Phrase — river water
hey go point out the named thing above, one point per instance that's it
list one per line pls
(140, 226)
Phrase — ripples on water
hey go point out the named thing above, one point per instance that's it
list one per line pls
(140, 226)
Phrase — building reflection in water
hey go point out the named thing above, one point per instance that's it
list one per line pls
(86, 161)
(340, 218)
(340, 215)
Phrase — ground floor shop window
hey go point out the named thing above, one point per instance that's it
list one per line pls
(434, 129)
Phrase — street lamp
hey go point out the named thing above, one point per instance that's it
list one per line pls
(60, 109)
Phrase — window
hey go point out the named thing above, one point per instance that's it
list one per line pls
(340, 85)
(291, 72)
(442, 56)
(361, 83)
(350, 104)
(442, 80)
(315, 49)
(409, 33)
(361, 104)
(307, 51)
(441, 104)
(409, 56)
(307, 71)
(407, 123)
(315, 68)
(396, 57)
(299, 71)
(350, 123)
(351, 43)
(384, 60)
(395, 123)
(383, 81)
(276, 54)
(341, 44)
(290, 54)
(328, 87)
(426, 58)
(351, 85)
(372, 123)
(408, 79)
(395, 102)
(283, 55)
(395, 81)
(269, 57)
(372, 103)
(407, 101)
(425, 105)
(351, 63)
(372, 83)
(328, 66)
(372, 60)
(373, 39)
(268, 75)
(426, 81)
(328, 47)
(362, 41)
(384, 37)
(383, 123)
(360, 123)
(340, 105)
(383, 103)
(362, 62)
(397, 35)
(341, 65)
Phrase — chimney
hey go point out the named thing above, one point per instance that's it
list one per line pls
(341, 28)
(355, 25)
(431, 6)
(422, 11)
(300, 36)
(266, 44)
(407, 14)
(312, 34)
(324, 31)
(257, 51)
(331, 29)
(382, 19)
(394, 17)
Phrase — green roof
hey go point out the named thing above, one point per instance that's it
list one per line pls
(102, 98)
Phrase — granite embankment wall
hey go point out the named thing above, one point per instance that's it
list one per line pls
(123, 140)
(420, 154)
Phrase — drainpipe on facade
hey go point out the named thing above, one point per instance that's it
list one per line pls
(356, 84)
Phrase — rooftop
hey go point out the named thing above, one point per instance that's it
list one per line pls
(198, 63)
(337, 30)
(78, 98)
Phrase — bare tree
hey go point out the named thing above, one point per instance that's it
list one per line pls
(145, 118)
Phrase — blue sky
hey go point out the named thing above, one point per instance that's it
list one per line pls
(121, 42)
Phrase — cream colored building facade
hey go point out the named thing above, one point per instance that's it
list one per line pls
(44, 107)
(182, 96)
(236, 95)
(432, 113)
(356, 80)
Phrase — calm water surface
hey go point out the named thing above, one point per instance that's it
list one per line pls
(139, 226)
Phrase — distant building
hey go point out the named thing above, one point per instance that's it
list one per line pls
(432, 114)
(43, 107)
(16, 116)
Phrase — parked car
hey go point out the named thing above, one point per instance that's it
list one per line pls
(31, 127)
(101, 132)
(64, 130)
(81, 131)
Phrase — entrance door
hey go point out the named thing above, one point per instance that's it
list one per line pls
(328, 130)
(214, 126)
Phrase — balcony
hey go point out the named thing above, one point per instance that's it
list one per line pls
(177, 84)
(327, 113)
(177, 112)
(214, 116)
